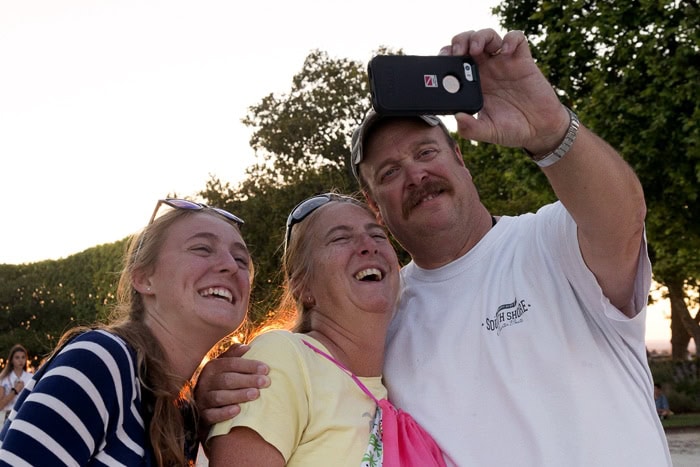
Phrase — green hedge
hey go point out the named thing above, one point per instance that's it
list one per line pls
(680, 381)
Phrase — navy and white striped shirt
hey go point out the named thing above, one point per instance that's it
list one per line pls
(84, 408)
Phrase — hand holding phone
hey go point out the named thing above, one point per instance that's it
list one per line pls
(415, 85)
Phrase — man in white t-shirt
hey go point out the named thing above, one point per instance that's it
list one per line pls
(517, 340)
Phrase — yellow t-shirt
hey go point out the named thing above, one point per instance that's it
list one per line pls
(313, 412)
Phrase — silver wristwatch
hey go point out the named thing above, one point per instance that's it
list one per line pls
(552, 157)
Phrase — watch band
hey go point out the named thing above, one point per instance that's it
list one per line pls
(552, 157)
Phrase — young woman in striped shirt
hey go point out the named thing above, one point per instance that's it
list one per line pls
(118, 394)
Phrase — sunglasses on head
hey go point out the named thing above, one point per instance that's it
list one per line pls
(191, 205)
(306, 207)
(186, 204)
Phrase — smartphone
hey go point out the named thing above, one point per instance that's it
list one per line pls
(415, 85)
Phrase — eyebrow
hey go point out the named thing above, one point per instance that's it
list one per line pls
(214, 237)
(348, 228)
(425, 141)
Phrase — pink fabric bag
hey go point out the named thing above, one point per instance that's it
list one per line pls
(403, 442)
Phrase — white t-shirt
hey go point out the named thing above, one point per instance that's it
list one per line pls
(512, 356)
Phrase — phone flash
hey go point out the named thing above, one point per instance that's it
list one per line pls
(468, 75)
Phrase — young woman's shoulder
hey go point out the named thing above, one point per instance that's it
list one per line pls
(100, 342)
(97, 354)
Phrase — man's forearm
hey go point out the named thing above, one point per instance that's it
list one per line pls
(604, 196)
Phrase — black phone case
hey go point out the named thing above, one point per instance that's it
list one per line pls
(415, 85)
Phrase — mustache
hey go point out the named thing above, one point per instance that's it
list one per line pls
(429, 187)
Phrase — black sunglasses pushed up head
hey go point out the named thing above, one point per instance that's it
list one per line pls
(191, 205)
(302, 210)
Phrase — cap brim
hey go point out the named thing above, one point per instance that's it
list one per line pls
(371, 119)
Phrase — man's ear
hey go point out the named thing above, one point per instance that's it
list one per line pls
(460, 159)
(373, 206)
(458, 155)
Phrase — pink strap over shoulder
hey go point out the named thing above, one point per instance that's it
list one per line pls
(344, 368)
(405, 442)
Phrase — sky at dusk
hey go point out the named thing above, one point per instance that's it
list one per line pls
(107, 106)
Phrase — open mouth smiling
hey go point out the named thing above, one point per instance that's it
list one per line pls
(369, 275)
(217, 292)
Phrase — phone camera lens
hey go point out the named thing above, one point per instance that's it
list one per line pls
(451, 84)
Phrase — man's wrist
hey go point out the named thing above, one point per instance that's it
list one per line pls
(555, 156)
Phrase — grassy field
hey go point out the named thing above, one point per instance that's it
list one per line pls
(682, 420)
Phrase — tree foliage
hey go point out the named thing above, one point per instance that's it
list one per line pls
(630, 68)
(39, 301)
(308, 128)
(508, 182)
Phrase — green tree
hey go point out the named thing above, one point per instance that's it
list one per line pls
(40, 301)
(508, 182)
(630, 69)
(301, 139)
(309, 127)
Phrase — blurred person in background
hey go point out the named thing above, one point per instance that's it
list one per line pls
(13, 378)
(661, 401)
